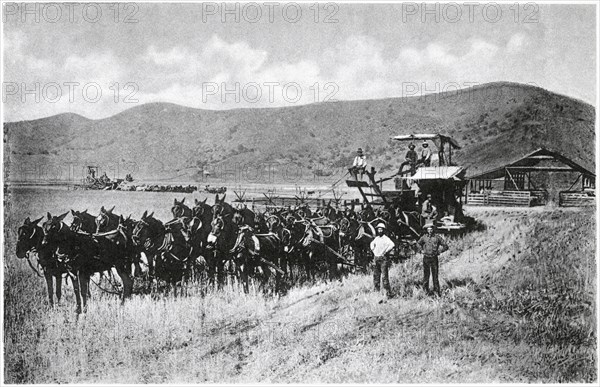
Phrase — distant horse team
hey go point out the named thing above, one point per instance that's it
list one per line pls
(206, 244)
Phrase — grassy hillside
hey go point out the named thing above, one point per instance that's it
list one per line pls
(494, 123)
(518, 306)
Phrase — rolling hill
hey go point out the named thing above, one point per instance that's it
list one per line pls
(494, 123)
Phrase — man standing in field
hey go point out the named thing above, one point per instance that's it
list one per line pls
(381, 246)
(432, 245)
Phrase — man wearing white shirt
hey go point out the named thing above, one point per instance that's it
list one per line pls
(381, 246)
(359, 164)
(426, 155)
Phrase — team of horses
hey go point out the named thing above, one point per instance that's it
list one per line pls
(204, 243)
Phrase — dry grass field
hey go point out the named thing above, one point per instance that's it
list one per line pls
(518, 306)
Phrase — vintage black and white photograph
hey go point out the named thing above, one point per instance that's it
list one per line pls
(300, 192)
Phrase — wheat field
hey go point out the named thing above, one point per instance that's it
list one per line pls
(518, 305)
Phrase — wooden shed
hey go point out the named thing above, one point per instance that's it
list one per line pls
(535, 179)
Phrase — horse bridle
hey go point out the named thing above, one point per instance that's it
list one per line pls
(240, 238)
(77, 223)
(46, 233)
(135, 234)
(102, 217)
(179, 210)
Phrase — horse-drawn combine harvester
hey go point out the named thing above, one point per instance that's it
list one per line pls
(270, 241)
(395, 200)
(94, 181)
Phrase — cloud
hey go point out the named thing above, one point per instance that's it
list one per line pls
(516, 43)
(228, 66)
(175, 56)
(100, 67)
(16, 54)
(358, 67)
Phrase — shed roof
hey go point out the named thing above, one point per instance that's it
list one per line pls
(529, 162)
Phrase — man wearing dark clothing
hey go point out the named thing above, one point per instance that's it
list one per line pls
(432, 245)
(410, 159)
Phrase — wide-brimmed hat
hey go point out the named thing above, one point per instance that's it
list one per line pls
(429, 225)
(411, 146)
(425, 143)
(380, 225)
(359, 151)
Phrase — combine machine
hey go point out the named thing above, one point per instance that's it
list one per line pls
(94, 181)
(402, 195)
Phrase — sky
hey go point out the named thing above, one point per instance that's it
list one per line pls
(101, 59)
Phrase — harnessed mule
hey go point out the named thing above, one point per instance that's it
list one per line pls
(106, 220)
(29, 240)
(321, 241)
(180, 210)
(166, 246)
(197, 230)
(220, 240)
(260, 222)
(148, 234)
(253, 255)
(331, 213)
(291, 236)
(173, 259)
(367, 214)
(84, 255)
(221, 208)
(83, 222)
(243, 216)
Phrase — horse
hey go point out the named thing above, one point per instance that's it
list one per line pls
(166, 247)
(331, 213)
(291, 235)
(106, 220)
(253, 255)
(243, 216)
(221, 208)
(367, 214)
(260, 222)
(173, 260)
(29, 240)
(85, 255)
(128, 225)
(219, 242)
(82, 221)
(304, 211)
(148, 234)
(359, 235)
(321, 241)
(199, 225)
(180, 210)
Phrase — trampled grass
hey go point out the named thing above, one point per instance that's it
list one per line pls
(518, 306)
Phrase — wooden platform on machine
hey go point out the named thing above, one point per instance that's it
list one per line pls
(576, 199)
(357, 183)
(501, 198)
